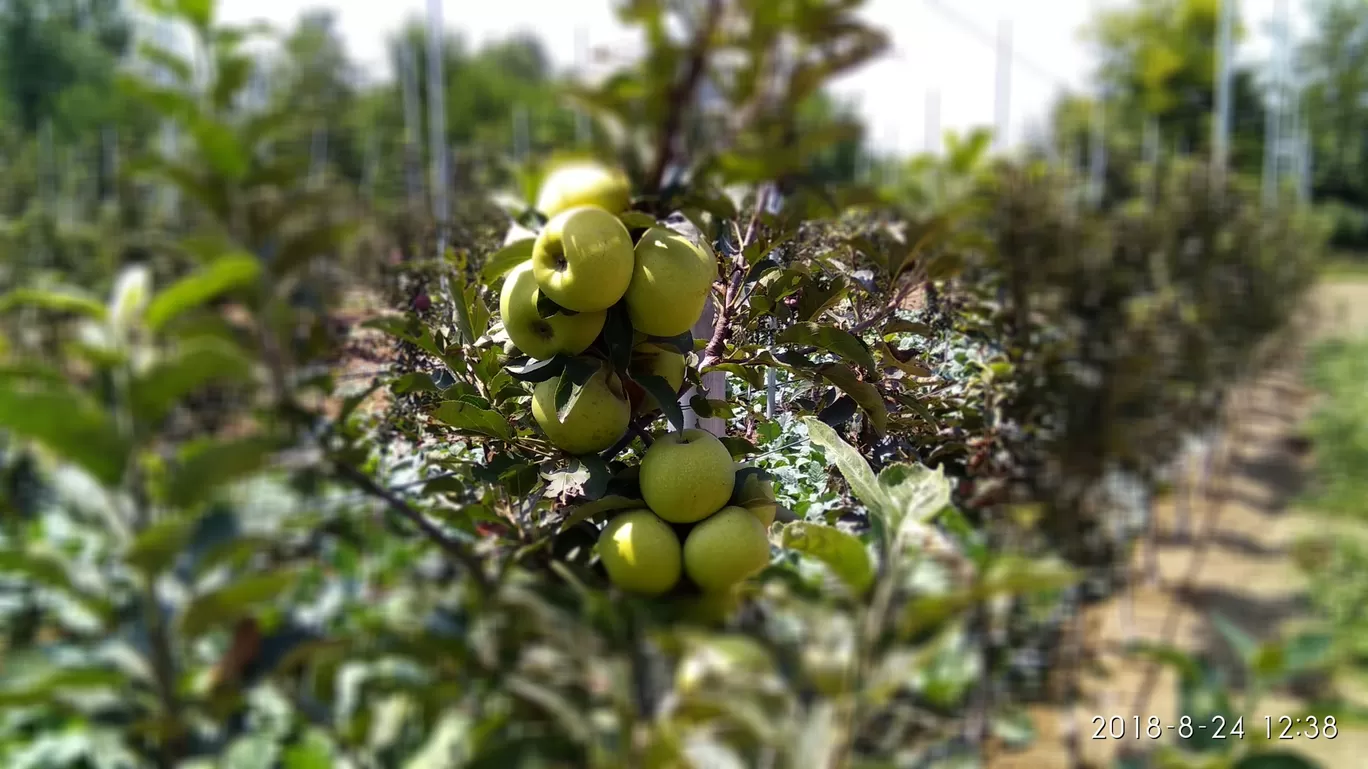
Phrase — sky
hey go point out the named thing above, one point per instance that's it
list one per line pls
(944, 47)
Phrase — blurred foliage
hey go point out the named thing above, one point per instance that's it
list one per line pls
(1334, 63)
(1338, 427)
(217, 550)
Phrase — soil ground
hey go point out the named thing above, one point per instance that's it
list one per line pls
(1247, 574)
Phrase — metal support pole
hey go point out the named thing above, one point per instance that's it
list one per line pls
(1220, 140)
(438, 149)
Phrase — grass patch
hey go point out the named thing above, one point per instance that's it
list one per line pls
(1338, 429)
(1345, 267)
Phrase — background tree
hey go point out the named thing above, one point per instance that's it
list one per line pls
(1334, 63)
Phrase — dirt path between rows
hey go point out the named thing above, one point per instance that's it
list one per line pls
(1246, 575)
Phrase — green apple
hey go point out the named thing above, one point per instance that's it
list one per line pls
(584, 183)
(725, 549)
(687, 476)
(641, 553)
(596, 421)
(654, 360)
(540, 337)
(755, 493)
(671, 280)
(583, 259)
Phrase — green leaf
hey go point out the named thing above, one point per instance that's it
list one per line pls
(831, 339)
(1008, 576)
(53, 573)
(57, 299)
(132, 290)
(532, 370)
(197, 363)
(637, 220)
(907, 366)
(577, 373)
(843, 553)
(1245, 645)
(501, 262)
(815, 298)
(901, 326)
(682, 344)
(665, 395)
(168, 60)
(546, 307)
(608, 504)
(863, 393)
(1278, 759)
(225, 274)
(313, 751)
(156, 548)
(209, 466)
(853, 467)
(839, 412)
(927, 233)
(53, 683)
(1015, 729)
(1308, 651)
(219, 148)
(69, 425)
(617, 336)
(739, 447)
(469, 418)
(234, 601)
(414, 382)
(450, 732)
(408, 329)
(759, 269)
(584, 477)
(916, 492)
(302, 248)
(944, 265)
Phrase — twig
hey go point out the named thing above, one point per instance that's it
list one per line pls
(713, 352)
(452, 547)
(894, 302)
(722, 326)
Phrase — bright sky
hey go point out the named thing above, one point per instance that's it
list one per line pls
(934, 48)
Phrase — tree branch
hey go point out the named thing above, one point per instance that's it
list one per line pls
(681, 96)
(452, 547)
(722, 326)
(897, 299)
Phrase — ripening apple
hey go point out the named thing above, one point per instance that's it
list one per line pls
(584, 183)
(596, 421)
(725, 549)
(687, 476)
(671, 280)
(540, 337)
(641, 553)
(650, 359)
(583, 259)
(755, 493)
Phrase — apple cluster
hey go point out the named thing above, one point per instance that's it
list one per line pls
(585, 263)
(589, 277)
(695, 495)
